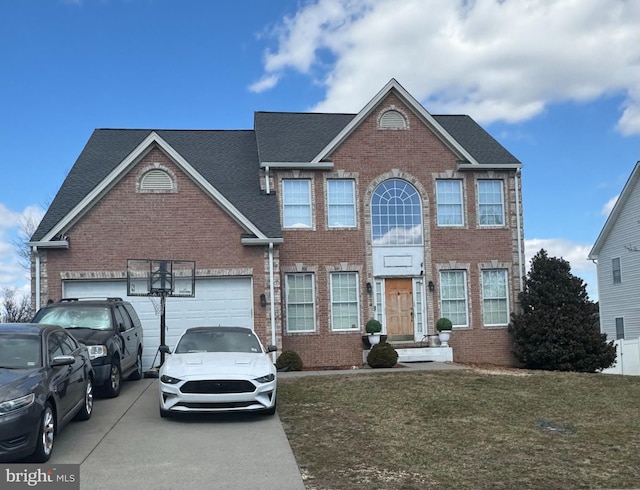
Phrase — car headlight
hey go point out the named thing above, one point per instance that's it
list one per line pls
(266, 379)
(96, 351)
(17, 403)
(170, 380)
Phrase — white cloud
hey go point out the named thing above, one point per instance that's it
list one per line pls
(574, 253)
(494, 60)
(608, 207)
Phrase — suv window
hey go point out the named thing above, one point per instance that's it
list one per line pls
(126, 320)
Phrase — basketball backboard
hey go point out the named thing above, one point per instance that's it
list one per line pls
(158, 277)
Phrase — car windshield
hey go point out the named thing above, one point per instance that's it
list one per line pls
(19, 351)
(218, 341)
(93, 317)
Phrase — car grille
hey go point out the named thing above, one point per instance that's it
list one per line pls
(218, 386)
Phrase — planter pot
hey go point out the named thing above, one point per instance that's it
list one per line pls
(444, 337)
(374, 338)
(434, 340)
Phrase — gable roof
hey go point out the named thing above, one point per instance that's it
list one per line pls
(289, 137)
(226, 163)
(223, 163)
(629, 187)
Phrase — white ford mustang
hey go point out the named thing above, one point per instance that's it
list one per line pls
(218, 369)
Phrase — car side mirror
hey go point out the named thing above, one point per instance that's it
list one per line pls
(272, 348)
(62, 361)
(164, 349)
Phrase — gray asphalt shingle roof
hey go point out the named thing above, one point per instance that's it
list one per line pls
(230, 159)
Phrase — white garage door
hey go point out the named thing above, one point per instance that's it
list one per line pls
(226, 301)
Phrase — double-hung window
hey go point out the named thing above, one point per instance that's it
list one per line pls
(490, 203)
(617, 272)
(296, 203)
(495, 299)
(300, 303)
(449, 199)
(341, 203)
(344, 301)
(453, 294)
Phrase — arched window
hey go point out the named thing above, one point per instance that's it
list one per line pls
(396, 214)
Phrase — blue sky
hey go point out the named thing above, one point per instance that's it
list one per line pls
(557, 82)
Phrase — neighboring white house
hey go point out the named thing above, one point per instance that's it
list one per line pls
(617, 254)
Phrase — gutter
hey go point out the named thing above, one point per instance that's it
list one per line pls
(272, 302)
(519, 227)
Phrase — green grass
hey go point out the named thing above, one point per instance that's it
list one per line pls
(468, 429)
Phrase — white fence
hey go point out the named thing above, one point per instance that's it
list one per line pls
(628, 358)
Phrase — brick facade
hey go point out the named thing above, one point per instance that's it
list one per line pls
(186, 223)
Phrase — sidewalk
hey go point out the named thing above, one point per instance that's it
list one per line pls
(406, 366)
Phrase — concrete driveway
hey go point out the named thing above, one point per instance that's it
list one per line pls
(127, 445)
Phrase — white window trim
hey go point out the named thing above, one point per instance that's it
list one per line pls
(502, 203)
(313, 293)
(353, 204)
(310, 204)
(358, 322)
(466, 294)
(506, 299)
(462, 216)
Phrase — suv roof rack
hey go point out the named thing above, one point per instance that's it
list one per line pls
(90, 298)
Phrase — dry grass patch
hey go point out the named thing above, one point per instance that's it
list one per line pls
(464, 429)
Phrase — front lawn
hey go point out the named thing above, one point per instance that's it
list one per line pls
(470, 429)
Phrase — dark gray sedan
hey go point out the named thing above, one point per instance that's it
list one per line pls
(46, 380)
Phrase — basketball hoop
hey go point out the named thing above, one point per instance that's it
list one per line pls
(161, 279)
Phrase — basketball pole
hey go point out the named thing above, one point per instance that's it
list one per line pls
(163, 296)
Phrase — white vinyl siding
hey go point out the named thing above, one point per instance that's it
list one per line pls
(300, 293)
(490, 203)
(296, 203)
(495, 300)
(621, 242)
(449, 202)
(453, 294)
(344, 301)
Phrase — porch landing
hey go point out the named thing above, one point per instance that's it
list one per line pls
(419, 354)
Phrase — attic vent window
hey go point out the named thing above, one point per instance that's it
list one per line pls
(157, 180)
(392, 119)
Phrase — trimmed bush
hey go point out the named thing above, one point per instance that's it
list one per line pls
(289, 361)
(373, 327)
(444, 324)
(382, 356)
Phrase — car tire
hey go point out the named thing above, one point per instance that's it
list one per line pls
(137, 374)
(87, 407)
(270, 411)
(46, 435)
(111, 388)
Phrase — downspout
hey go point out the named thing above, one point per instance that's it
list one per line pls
(519, 226)
(272, 301)
(37, 254)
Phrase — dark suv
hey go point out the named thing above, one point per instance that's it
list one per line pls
(112, 332)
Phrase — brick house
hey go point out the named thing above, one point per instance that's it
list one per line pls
(304, 227)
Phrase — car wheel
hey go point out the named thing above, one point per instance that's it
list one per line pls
(87, 408)
(111, 388)
(46, 435)
(137, 374)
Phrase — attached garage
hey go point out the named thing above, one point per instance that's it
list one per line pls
(224, 301)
